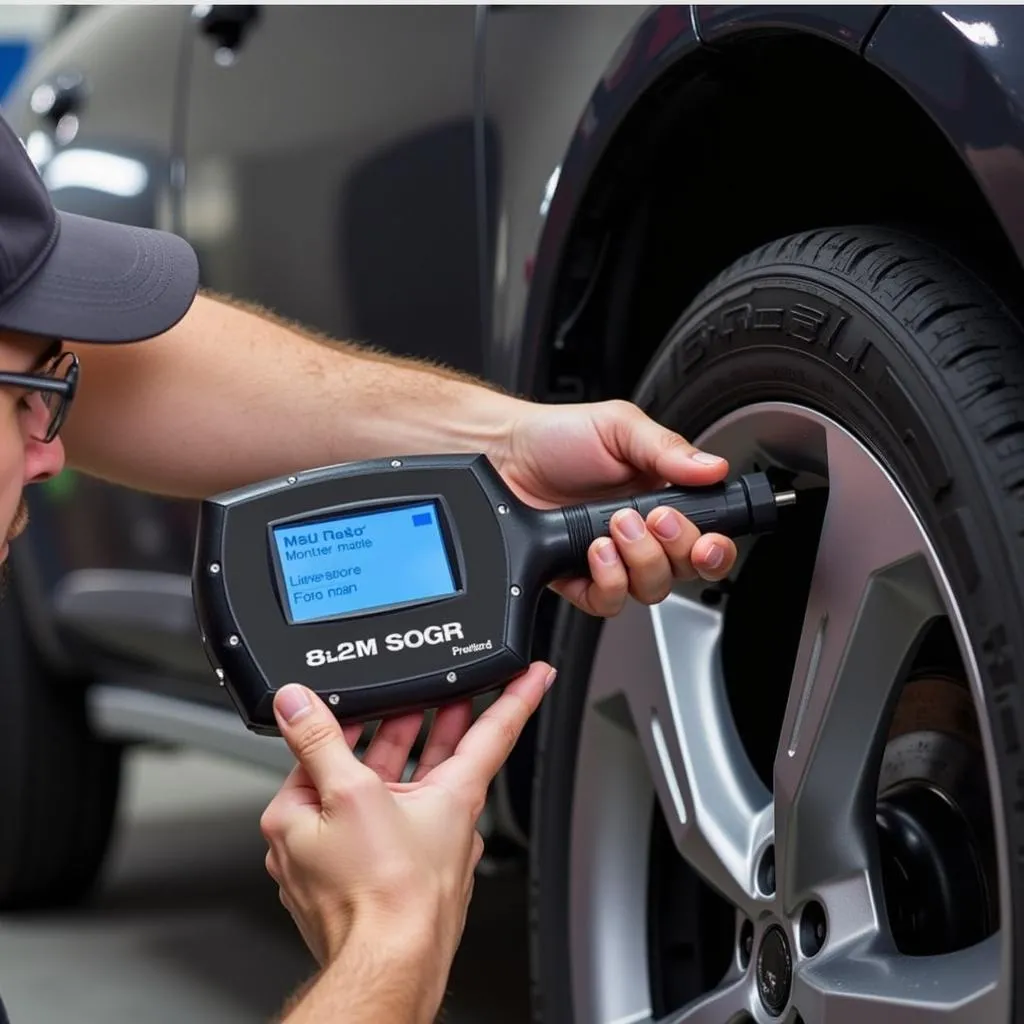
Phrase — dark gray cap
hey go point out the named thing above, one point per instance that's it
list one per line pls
(67, 276)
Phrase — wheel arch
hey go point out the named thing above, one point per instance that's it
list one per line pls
(681, 163)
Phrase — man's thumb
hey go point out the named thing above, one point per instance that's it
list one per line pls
(314, 735)
(665, 454)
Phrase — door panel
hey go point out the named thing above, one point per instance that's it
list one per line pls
(329, 173)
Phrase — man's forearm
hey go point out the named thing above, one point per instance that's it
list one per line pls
(228, 397)
(376, 977)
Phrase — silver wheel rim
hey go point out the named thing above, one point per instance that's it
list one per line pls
(876, 578)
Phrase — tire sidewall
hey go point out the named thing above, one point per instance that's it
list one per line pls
(752, 339)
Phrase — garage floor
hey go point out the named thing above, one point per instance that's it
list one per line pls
(188, 926)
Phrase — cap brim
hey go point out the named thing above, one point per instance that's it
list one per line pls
(106, 282)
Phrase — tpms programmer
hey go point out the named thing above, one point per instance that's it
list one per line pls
(401, 584)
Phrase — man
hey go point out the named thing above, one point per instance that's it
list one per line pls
(377, 874)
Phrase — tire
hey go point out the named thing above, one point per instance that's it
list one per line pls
(59, 784)
(877, 341)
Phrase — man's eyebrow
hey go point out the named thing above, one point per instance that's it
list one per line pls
(48, 355)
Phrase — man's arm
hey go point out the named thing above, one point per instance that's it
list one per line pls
(376, 977)
(231, 395)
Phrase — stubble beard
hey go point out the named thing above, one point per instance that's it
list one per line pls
(20, 520)
(16, 528)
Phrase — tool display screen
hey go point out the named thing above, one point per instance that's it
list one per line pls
(363, 562)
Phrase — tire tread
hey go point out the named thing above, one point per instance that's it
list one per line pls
(969, 335)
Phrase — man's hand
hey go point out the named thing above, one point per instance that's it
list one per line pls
(557, 454)
(370, 864)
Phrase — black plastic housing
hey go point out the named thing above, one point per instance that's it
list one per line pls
(246, 634)
(414, 656)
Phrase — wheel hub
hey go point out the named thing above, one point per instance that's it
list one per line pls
(934, 884)
(933, 832)
(774, 970)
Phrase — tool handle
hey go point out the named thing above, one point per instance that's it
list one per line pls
(747, 505)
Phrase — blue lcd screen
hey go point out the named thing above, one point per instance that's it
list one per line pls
(357, 563)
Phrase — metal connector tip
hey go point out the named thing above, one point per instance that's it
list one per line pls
(783, 498)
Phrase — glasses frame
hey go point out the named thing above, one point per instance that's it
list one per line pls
(45, 380)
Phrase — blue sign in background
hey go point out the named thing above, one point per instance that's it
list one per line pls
(13, 55)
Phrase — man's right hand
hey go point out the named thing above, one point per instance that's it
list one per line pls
(362, 857)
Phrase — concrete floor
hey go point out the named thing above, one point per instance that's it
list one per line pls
(188, 927)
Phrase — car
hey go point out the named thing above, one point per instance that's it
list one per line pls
(795, 234)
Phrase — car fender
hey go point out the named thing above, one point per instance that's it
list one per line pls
(850, 26)
(963, 66)
(661, 39)
(667, 38)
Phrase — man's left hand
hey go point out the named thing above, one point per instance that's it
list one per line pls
(555, 455)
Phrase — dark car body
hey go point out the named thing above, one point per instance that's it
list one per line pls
(528, 193)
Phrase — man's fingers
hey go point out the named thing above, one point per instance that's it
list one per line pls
(273, 865)
(388, 751)
(605, 593)
(667, 547)
(286, 901)
(609, 586)
(656, 450)
(297, 793)
(650, 572)
(298, 788)
(450, 724)
(489, 741)
(315, 738)
(713, 556)
(677, 536)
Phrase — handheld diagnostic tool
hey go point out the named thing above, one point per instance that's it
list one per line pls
(401, 584)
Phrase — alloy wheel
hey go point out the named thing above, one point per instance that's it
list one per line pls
(839, 915)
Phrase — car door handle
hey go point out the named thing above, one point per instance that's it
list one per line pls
(226, 24)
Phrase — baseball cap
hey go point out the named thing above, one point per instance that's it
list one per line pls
(67, 276)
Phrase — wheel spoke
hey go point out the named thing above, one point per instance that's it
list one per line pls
(871, 594)
(727, 1004)
(664, 683)
(959, 988)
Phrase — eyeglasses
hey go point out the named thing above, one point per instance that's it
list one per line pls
(55, 385)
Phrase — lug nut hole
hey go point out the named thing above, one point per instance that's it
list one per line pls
(746, 944)
(766, 872)
(813, 928)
